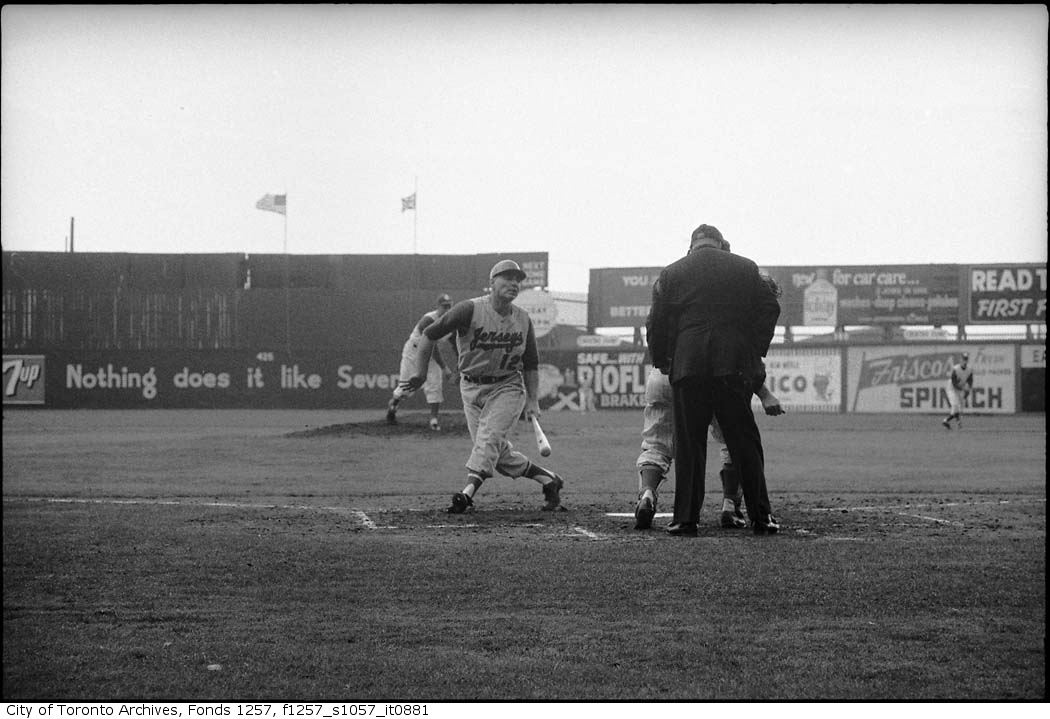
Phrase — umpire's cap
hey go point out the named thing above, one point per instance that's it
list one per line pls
(507, 267)
(445, 301)
(708, 232)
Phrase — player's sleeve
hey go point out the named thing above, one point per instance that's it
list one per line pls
(656, 332)
(456, 318)
(424, 322)
(766, 315)
(530, 360)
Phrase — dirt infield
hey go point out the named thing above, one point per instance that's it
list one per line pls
(309, 554)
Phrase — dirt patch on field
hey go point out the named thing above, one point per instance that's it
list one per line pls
(416, 425)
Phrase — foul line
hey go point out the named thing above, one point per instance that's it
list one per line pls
(586, 533)
(915, 506)
(358, 514)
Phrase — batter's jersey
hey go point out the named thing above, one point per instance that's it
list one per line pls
(490, 344)
(961, 378)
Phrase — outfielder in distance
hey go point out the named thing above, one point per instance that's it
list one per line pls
(498, 368)
(960, 384)
(437, 370)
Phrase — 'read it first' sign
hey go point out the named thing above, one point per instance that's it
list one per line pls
(1007, 294)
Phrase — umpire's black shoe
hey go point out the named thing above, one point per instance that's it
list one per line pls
(460, 502)
(644, 513)
(769, 526)
(682, 529)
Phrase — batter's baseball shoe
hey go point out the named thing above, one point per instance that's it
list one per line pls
(644, 513)
(460, 502)
(947, 424)
(769, 526)
(552, 493)
(730, 520)
(434, 424)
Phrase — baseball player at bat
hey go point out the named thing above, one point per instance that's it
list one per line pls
(437, 371)
(960, 384)
(498, 368)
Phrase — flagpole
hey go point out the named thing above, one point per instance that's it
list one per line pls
(415, 212)
(287, 291)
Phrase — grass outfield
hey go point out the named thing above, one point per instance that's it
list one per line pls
(230, 555)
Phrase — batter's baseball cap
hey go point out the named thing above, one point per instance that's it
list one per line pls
(505, 267)
(445, 301)
(966, 355)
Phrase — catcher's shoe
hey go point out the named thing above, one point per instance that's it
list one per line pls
(730, 520)
(460, 502)
(391, 413)
(769, 526)
(644, 513)
(434, 424)
(552, 493)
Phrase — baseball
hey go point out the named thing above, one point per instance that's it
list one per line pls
(545, 452)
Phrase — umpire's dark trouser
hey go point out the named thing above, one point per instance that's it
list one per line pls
(695, 400)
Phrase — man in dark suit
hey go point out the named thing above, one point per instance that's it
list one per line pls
(711, 322)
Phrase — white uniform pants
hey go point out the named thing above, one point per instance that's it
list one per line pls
(433, 388)
(491, 411)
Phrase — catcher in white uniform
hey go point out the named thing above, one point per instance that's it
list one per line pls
(437, 371)
(960, 384)
(498, 368)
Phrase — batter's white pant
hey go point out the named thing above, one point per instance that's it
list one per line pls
(433, 388)
(491, 411)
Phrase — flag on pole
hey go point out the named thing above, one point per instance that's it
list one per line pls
(408, 203)
(273, 203)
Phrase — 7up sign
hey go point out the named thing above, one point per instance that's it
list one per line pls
(23, 379)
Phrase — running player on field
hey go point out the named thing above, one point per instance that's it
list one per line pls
(498, 368)
(960, 384)
(437, 371)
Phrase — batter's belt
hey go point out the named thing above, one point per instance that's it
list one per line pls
(485, 378)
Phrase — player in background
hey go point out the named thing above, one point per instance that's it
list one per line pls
(654, 461)
(437, 370)
(499, 378)
(960, 384)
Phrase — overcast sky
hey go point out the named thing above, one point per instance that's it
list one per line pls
(601, 134)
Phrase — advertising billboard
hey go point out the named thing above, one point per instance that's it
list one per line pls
(914, 379)
(1006, 294)
(840, 295)
(24, 379)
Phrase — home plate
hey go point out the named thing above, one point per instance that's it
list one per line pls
(631, 514)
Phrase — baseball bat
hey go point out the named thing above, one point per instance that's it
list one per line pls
(541, 439)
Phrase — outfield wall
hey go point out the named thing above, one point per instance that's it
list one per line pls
(1009, 377)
